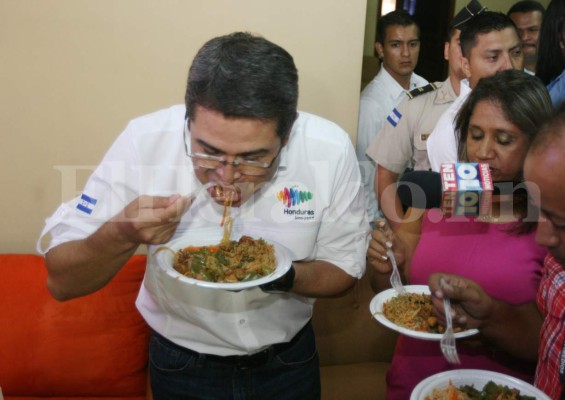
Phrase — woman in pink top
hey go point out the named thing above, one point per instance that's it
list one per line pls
(498, 252)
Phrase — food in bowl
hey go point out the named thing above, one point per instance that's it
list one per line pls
(414, 311)
(233, 261)
(490, 391)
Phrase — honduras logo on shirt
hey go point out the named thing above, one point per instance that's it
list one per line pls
(293, 196)
(394, 117)
(296, 202)
(86, 204)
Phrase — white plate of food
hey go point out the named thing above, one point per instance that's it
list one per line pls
(409, 318)
(262, 262)
(437, 387)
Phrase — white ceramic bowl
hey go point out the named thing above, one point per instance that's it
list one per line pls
(165, 257)
(478, 378)
(376, 308)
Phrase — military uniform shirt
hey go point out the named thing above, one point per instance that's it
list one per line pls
(442, 143)
(403, 137)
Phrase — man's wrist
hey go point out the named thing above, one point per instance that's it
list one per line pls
(281, 285)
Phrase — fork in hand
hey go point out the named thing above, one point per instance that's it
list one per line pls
(447, 342)
(395, 279)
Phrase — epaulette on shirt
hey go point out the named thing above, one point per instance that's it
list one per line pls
(430, 87)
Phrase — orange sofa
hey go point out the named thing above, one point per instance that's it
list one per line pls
(95, 346)
(92, 347)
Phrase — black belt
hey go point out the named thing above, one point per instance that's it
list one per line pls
(239, 361)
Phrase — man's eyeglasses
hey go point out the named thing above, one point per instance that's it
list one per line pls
(244, 167)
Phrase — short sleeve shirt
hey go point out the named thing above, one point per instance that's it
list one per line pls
(378, 99)
(314, 206)
(403, 138)
(550, 373)
(556, 90)
(442, 143)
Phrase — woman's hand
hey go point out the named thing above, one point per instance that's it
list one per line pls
(382, 240)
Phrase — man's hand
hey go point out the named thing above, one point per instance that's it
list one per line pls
(80, 267)
(508, 327)
(150, 220)
(472, 305)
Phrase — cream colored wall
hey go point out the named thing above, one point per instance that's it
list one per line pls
(73, 73)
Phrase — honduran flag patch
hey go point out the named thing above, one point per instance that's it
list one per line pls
(86, 204)
(394, 117)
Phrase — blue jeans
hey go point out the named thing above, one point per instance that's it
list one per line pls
(285, 371)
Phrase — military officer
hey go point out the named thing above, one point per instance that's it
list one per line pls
(489, 44)
(402, 140)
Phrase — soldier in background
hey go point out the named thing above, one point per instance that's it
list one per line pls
(402, 140)
(489, 44)
(398, 48)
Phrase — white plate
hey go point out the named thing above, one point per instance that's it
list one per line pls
(376, 307)
(164, 259)
(476, 377)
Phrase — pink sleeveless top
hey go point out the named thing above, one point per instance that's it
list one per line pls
(506, 265)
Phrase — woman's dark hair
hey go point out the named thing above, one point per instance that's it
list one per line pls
(246, 76)
(523, 99)
(551, 61)
(524, 102)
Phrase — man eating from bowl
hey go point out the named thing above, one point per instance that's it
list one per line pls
(292, 178)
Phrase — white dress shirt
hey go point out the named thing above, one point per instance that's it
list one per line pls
(327, 221)
(378, 99)
(442, 143)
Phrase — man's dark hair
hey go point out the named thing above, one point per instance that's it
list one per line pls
(398, 17)
(526, 6)
(244, 76)
(480, 24)
(551, 60)
(450, 33)
(552, 133)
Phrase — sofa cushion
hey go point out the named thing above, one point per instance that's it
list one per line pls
(361, 381)
(95, 345)
(347, 333)
(355, 350)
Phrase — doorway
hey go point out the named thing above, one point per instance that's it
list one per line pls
(433, 17)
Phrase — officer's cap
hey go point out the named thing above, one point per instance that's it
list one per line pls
(466, 13)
